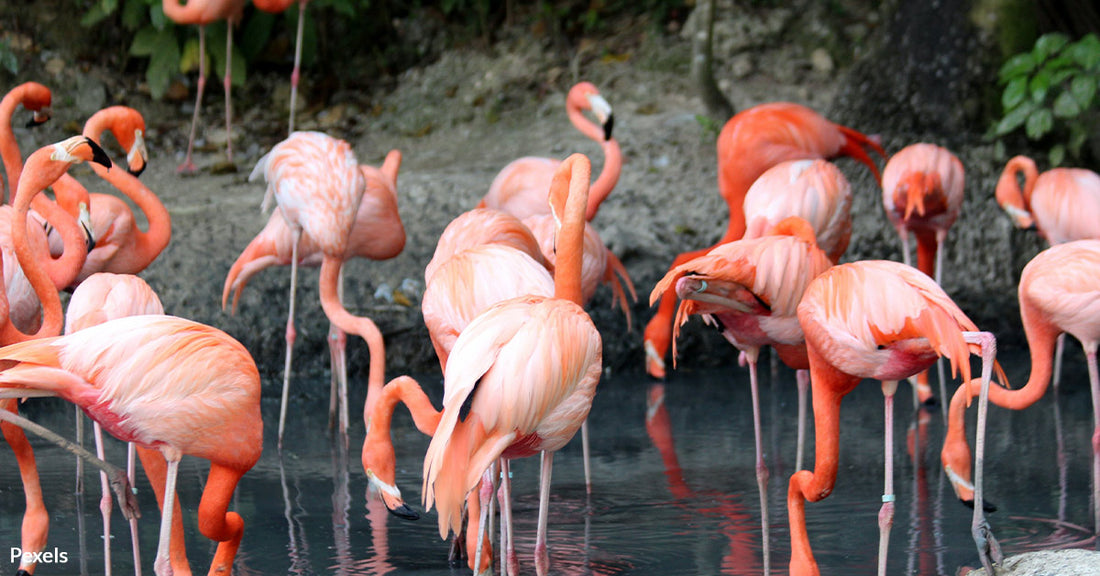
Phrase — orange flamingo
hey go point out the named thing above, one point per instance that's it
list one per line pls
(527, 368)
(1059, 293)
(520, 188)
(751, 142)
(870, 319)
(99, 298)
(43, 167)
(201, 13)
(165, 383)
(750, 289)
(34, 97)
(276, 7)
(377, 233)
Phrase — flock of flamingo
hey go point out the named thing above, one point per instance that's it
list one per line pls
(504, 306)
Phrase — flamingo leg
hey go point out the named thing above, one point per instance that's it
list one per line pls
(542, 555)
(1059, 348)
(802, 378)
(228, 83)
(79, 442)
(761, 467)
(162, 565)
(216, 522)
(511, 563)
(131, 473)
(584, 450)
(104, 501)
(904, 233)
(295, 75)
(988, 549)
(156, 469)
(484, 497)
(1094, 383)
(342, 369)
(188, 165)
(886, 512)
(290, 333)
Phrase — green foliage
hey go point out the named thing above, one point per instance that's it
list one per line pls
(8, 61)
(710, 127)
(1050, 92)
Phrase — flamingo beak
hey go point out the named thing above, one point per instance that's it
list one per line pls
(603, 113)
(391, 497)
(138, 155)
(85, 220)
(40, 117)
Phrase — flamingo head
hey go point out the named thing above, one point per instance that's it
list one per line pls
(78, 149)
(585, 96)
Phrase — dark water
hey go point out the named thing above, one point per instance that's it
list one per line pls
(674, 496)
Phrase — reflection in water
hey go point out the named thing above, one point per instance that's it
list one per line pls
(674, 490)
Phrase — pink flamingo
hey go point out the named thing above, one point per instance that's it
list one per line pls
(870, 319)
(99, 298)
(1059, 293)
(520, 188)
(201, 13)
(527, 368)
(750, 289)
(377, 233)
(751, 142)
(276, 7)
(34, 97)
(27, 254)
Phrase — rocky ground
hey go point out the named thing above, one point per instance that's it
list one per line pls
(461, 118)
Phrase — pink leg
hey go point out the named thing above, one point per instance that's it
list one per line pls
(1094, 382)
(802, 377)
(228, 81)
(988, 549)
(104, 501)
(131, 473)
(290, 334)
(188, 166)
(79, 442)
(584, 450)
(1056, 380)
(886, 512)
(510, 563)
(542, 556)
(162, 565)
(761, 468)
(295, 75)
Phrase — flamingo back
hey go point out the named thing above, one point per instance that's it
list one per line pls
(316, 181)
(854, 312)
(1062, 283)
(482, 226)
(814, 190)
(1066, 205)
(105, 296)
(924, 179)
(521, 187)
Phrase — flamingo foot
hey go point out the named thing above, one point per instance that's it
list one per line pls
(542, 559)
(187, 168)
(989, 550)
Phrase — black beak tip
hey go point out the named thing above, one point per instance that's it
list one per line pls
(136, 173)
(607, 127)
(34, 122)
(98, 155)
(404, 512)
(987, 506)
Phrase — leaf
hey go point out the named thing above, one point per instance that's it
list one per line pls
(217, 52)
(1039, 85)
(189, 59)
(1014, 93)
(93, 16)
(1077, 138)
(163, 64)
(257, 31)
(1015, 118)
(8, 60)
(1087, 52)
(145, 42)
(1049, 44)
(1057, 155)
(1039, 123)
(1065, 106)
(1019, 65)
(133, 14)
(1083, 90)
(157, 17)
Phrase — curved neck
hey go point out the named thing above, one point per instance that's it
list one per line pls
(569, 200)
(360, 325)
(189, 12)
(1008, 186)
(585, 126)
(9, 148)
(147, 245)
(609, 177)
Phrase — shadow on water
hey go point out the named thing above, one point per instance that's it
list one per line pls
(674, 488)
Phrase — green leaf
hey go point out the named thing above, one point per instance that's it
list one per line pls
(93, 16)
(1014, 93)
(163, 64)
(217, 52)
(157, 17)
(1083, 90)
(1039, 123)
(1065, 106)
(8, 59)
(145, 42)
(1049, 44)
(1087, 52)
(1039, 85)
(133, 14)
(1015, 118)
(1061, 76)
(189, 58)
(257, 32)
(1017, 66)
(1057, 155)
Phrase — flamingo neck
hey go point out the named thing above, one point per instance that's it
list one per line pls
(149, 244)
(570, 240)
(609, 177)
(1008, 186)
(359, 325)
(9, 147)
(585, 126)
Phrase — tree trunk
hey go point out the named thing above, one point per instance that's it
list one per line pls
(702, 63)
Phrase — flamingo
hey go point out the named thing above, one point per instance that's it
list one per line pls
(201, 13)
(34, 97)
(101, 297)
(43, 167)
(276, 7)
(750, 289)
(751, 142)
(377, 234)
(922, 192)
(168, 384)
(870, 319)
(1061, 204)
(528, 369)
(1059, 293)
(520, 188)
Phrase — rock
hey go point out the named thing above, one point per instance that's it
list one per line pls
(1049, 563)
(821, 61)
